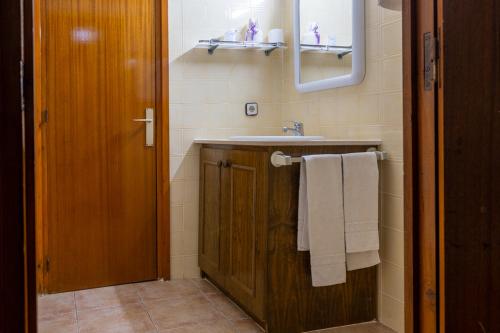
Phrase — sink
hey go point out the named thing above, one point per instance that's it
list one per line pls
(277, 138)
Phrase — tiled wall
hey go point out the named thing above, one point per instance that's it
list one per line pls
(208, 94)
(207, 98)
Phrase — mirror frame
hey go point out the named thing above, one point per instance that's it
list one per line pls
(358, 52)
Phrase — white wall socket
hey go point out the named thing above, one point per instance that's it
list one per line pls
(251, 109)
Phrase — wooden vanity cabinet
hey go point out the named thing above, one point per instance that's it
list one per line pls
(248, 242)
(233, 212)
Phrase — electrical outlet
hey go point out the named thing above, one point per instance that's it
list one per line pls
(251, 109)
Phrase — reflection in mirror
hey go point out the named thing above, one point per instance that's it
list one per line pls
(329, 43)
(326, 39)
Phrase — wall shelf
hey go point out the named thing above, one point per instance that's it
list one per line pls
(340, 51)
(212, 44)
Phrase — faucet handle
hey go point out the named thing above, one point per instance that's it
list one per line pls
(298, 127)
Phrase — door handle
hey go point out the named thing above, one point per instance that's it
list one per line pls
(150, 128)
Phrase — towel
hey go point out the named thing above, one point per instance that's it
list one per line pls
(361, 179)
(321, 218)
(391, 4)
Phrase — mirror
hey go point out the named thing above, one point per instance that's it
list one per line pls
(329, 43)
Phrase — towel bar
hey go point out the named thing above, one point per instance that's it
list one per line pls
(279, 159)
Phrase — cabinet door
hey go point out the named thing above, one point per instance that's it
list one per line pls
(244, 209)
(210, 243)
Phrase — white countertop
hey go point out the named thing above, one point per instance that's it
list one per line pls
(322, 142)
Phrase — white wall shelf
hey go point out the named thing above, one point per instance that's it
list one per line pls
(213, 44)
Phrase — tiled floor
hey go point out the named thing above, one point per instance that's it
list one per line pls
(181, 306)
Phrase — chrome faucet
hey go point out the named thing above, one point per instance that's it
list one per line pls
(297, 129)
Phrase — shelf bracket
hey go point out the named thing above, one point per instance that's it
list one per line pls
(212, 48)
(269, 51)
(343, 54)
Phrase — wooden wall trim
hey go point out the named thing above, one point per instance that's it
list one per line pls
(163, 144)
(441, 174)
(29, 168)
(17, 287)
(427, 180)
(420, 172)
(40, 156)
(12, 288)
(410, 174)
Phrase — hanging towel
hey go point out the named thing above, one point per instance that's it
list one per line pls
(391, 4)
(361, 179)
(321, 218)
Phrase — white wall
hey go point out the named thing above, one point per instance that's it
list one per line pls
(207, 99)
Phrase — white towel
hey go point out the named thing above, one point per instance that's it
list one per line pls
(321, 218)
(361, 179)
(391, 4)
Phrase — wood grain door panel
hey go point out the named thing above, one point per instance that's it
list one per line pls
(242, 227)
(244, 193)
(101, 177)
(210, 215)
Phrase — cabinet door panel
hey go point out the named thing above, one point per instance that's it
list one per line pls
(210, 259)
(242, 225)
(244, 183)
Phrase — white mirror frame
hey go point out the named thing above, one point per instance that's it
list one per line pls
(358, 52)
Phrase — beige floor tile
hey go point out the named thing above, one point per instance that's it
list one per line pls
(106, 297)
(167, 290)
(245, 326)
(206, 286)
(51, 307)
(123, 319)
(180, 312)
(64, 324)
(230, 310)
(219, 326)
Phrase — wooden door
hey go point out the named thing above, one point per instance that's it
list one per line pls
(101, 179)
(244, 213)
(210, 245)
(470, 189)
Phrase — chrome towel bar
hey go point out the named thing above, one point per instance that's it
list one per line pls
(279, 159)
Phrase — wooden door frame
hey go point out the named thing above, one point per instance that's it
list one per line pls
(17, 260)
(421, 175)
(162, 143)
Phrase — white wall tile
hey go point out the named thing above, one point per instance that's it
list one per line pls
(392, 37)
(392, 281)
(208, 93)
(393, 313)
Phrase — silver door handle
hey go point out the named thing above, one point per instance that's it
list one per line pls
(149, 121)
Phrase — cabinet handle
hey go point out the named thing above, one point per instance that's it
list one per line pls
(219, 164)
(227, 164)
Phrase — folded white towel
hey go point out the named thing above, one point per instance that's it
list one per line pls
(321, 218)
(361, 179)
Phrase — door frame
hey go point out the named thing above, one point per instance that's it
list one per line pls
(162, 143)
(17, 260)
(422, 171)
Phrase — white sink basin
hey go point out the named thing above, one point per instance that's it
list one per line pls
(276, 138)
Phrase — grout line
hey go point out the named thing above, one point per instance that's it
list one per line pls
(157, 328)
(383, 225)
(76, 313)
(392, 297)
(391, 262)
